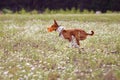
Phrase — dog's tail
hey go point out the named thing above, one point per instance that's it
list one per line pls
(92, 33)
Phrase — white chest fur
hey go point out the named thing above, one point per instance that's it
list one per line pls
(59, 30)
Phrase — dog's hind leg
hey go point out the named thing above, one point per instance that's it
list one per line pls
(74, 42)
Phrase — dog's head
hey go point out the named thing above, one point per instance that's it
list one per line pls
(53, 27)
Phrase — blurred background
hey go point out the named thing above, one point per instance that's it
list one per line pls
(59, 6)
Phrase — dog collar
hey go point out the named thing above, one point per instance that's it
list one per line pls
(59, 30)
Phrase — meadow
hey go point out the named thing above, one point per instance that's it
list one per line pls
(29, 52)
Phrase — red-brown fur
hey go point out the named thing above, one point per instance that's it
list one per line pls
(79, 34)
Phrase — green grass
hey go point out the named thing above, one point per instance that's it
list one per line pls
(29, 52)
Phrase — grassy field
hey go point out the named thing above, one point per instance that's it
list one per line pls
(29, 52)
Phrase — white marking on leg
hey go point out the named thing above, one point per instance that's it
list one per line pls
(73, 43)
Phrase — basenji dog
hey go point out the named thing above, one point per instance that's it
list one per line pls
(72, 35)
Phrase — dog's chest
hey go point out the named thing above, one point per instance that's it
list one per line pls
(60, 30)
(61, 35)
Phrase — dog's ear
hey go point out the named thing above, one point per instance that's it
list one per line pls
(55, 22)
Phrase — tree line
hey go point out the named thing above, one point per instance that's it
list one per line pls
(41, 5)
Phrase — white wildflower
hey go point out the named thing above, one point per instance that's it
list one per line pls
(23, 71)
(19, 66)
(33, 68)
(28, 64)
(6, 72)
(30, 74)
(90, 70)
(1, 67)
(81, 73)
(26, 77)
